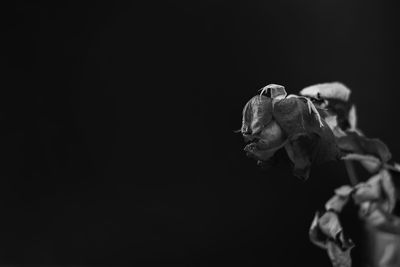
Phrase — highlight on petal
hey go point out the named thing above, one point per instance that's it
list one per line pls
(333, 90)
(257, 113)
(272, 135)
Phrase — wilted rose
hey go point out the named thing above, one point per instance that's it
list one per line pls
(270, 123)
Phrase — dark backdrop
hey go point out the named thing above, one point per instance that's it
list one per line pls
(117, 122)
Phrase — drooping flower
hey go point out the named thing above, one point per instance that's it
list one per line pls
(292, 122)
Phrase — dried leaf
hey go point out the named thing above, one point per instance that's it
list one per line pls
(344, 190)
(326, 233)
(333, 90)
(355, 143)
(369, 191)
(338, 257)
(382, 220)
(340, 199)
(378, 189)
(330, 225)
(336, 203)
(315, 234)
(336, 100)
(361, 158)
(384, 249)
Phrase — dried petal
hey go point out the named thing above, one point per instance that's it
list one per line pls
(308, 142)
(300, 152)
(370, 163)
(259, 152)
(272, 136)
(293, 115)
(277, 91)
(257, 113)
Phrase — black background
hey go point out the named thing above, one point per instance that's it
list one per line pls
(118, 119)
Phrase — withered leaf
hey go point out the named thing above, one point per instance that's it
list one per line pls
(315, 233)
(380, 190)
(336, 100)
(326, 232)
(336, 203)
(384, 248)
(331, 90)
(383, 220)
(330, 225)
(355, 143)
(338, 257)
